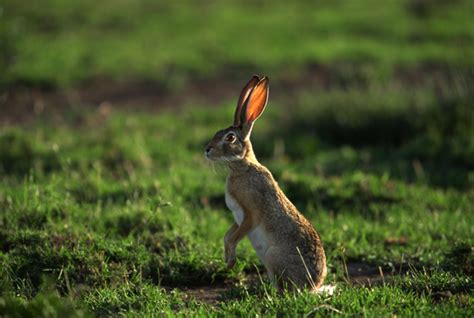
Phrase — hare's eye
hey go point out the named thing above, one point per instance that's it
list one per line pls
(230, 138)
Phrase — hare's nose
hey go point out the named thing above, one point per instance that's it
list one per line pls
(208, 149)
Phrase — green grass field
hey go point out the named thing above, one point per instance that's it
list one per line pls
(62, 43)
(109, 211)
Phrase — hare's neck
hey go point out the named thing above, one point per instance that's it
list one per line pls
(249, 157)
(248, 160)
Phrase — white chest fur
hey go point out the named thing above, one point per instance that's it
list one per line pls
(257, 235)
(234, 207)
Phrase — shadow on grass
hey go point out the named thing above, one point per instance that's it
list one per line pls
(434, 144)
(89, 192)
(19, 155)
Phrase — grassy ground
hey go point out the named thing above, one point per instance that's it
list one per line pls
(107, 212)
(122, 214)
(72, 42)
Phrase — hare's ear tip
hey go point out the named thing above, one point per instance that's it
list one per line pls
(264, 81)
(255, 78)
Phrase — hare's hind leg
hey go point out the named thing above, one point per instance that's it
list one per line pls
(287, 271)
(272, 265)
(279, 270)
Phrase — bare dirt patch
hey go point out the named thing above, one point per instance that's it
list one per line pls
(359, 274)
(211, 295)
(364, 274)
(20, 104)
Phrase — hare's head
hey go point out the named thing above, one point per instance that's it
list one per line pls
(233, 143)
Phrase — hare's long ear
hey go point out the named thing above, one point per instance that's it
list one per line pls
(254, 106)
(243, 98)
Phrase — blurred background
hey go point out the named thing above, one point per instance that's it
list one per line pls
(396, 76)
(105, 107)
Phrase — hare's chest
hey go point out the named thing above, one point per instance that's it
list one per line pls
(257, 235)
(234, 206)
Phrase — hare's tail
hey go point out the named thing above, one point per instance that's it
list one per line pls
(325, 290)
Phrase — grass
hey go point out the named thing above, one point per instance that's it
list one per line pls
(116, 217)
(82, 40)
(116, 213)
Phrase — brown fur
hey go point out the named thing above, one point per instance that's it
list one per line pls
(294, 255)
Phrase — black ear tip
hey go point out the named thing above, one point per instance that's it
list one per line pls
(255, 79)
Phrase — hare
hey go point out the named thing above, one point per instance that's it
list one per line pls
(284, 240)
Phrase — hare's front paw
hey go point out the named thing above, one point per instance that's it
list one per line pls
(231, 261)
(229, 256)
